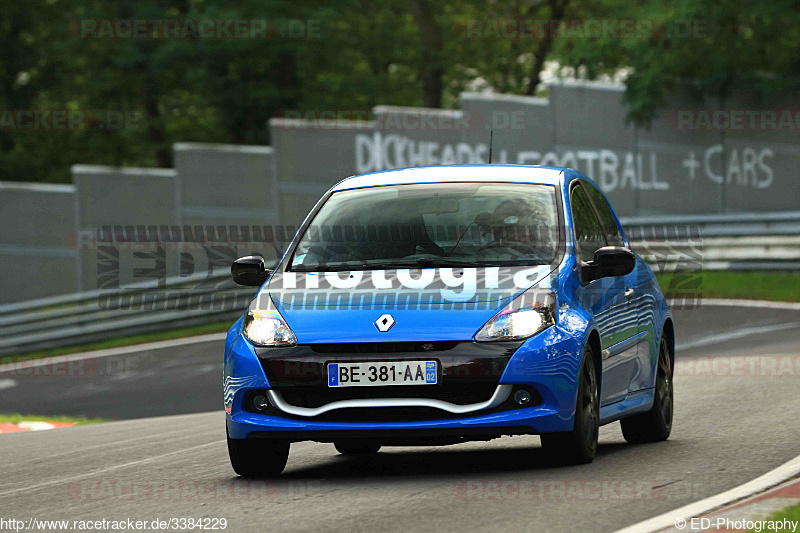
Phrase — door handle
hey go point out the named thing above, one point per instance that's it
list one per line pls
(629, 293)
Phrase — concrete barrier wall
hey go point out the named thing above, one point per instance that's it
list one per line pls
(229, 204)
(666, 169)
(37, 252)
(310, 156)
(226, 185)
(134, 204)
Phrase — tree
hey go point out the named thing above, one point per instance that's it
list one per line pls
(361, 53)
(557, 9)
(505, 44)
(705, 50)
(431, 68)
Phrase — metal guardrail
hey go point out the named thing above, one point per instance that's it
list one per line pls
(717, 225)
(103, 314)
(728, 241)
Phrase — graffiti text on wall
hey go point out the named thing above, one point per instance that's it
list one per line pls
(611, 169)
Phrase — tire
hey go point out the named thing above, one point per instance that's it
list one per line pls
(656, 424)
(356, 447)
(261, 458)
(579, 446)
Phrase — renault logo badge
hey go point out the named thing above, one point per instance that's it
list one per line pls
(384, 323)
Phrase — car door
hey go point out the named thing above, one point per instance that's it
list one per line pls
(605, 299)
(644, 288)
(638, 291)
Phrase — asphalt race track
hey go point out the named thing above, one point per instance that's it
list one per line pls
(737, 383)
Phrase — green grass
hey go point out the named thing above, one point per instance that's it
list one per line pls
(790, 513)
(117, 342)
(778, 286)
(78, 421)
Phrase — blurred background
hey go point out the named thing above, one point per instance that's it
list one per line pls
(144, 145)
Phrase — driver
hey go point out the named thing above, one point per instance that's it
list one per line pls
(514, 223)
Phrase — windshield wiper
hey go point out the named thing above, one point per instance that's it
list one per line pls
(443, 262)
(385, 265)
(311, 268)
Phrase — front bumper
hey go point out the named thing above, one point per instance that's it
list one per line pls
(548, 363)
(522, 421)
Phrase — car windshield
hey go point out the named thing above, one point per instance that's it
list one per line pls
(430, 225)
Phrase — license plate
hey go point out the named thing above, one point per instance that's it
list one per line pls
(383, 373)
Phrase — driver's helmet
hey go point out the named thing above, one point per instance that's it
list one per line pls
(516, 221)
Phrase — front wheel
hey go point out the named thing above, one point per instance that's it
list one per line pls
(258, 457)
(579, 445)
(656, 424)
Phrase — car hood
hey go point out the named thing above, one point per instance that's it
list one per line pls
(425, 304)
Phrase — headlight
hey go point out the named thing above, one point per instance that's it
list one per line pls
(267, 328)
(524, 317)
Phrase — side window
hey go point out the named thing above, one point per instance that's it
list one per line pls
(588, 232)
(606, 217)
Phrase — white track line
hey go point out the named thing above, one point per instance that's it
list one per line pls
(104, 445)
(763, 304)
(737, 334)
(107, 469)
(110, 352)
(770, 479)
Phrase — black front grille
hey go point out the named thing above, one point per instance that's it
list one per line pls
(456, 393)
(383, 347)
(465, 361)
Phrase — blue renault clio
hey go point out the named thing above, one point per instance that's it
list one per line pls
(440, 305)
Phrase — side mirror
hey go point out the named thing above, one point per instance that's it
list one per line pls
(609, 261)
(250, 271)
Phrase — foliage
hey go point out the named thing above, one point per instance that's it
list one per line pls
(361, 53)
(707, 51)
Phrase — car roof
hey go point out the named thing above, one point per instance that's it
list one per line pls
(455, 173)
